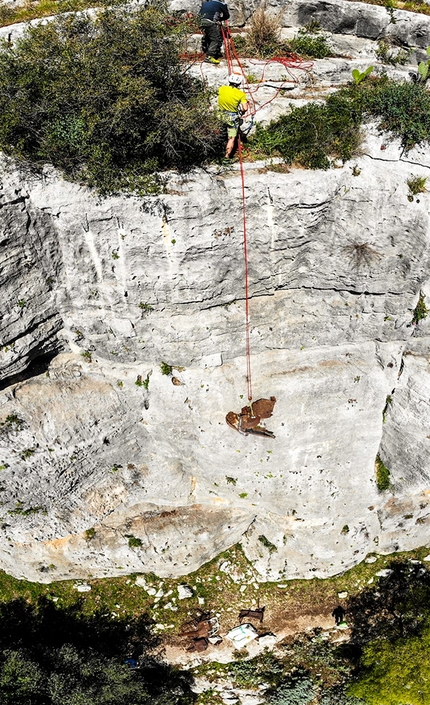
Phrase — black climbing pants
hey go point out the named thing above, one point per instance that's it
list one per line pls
(212, 37)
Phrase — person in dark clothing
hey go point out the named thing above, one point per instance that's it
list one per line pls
(211, 14)
(338, 614)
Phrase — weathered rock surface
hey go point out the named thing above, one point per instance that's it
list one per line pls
(137, 282)
(109, 466)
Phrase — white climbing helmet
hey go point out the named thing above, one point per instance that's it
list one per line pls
(235, 79)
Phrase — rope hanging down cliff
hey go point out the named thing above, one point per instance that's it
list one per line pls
(248, 420)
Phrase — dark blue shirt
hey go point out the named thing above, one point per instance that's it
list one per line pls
(214, 10)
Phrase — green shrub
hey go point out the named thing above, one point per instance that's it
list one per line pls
(420, 311)
(134, 542)
(263, 38)
(12, 421)
(166, 369)
(309, 43)
(313, 135)
(382, 475)
(392, 55)
(417, 184)
(402, 108)
(250, 673)
(296, 690)
(105, 99)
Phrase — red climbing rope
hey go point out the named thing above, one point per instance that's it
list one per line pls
(245, 257)
(290, 61)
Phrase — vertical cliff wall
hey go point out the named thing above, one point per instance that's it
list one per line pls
(103, 440)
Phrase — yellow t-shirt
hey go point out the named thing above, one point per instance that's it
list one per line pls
(229, 98)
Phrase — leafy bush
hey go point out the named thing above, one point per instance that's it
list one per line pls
(403, 109)
(421, 310)
(316, 133)
(166, 369)
(105, 99)
(265, 668)
(298, 689)
(134, 542)
(337, 696)
(312, 133)
(310, 43)
(263, 38)
(267, 544)
(393, 56)
(54, 656)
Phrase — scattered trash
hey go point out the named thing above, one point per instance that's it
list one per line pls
(248, 421)
(342, 595)
(202, 629)
(252, 614)
(242, 635)
(370, 559)
(82, 588)
(215, 640)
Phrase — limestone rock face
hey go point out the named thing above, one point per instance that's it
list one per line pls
(109, 466)
(29, 246)
(122, 348)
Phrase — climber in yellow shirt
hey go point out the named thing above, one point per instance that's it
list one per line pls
(232, 103)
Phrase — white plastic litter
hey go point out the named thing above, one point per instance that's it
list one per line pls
(242, 635)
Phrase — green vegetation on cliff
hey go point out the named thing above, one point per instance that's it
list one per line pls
(105, 99)
(315, 134)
